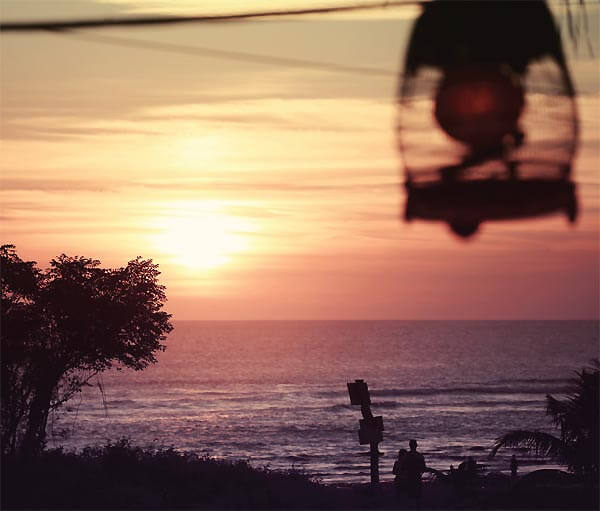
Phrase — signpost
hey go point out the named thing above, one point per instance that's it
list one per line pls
(371, 428)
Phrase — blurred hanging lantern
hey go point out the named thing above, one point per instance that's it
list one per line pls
(488, 125)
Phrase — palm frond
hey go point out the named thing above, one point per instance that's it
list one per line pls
(558, 409)
(542, 444)
(577, 417)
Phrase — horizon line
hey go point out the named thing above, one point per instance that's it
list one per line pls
(393, 319)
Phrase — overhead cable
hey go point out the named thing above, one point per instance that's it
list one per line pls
(230, 55)
(29, 26)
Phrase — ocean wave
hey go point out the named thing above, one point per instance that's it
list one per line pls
(120, 402)
(374, 404)
(466, 390)
(556, 381)
(337, 408)
(462, 403)
(432, 391)
(313, 429)
(298, 458)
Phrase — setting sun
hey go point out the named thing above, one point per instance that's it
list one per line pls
(199, 235)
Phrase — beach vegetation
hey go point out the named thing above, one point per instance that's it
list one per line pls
(62, 326)
(577, 418)
(120, 475)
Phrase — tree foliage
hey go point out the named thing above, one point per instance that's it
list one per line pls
(63, 325)
(577, 416)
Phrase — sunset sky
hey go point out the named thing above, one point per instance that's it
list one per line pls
(266, 191)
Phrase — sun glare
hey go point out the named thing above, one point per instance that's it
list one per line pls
(200, 235)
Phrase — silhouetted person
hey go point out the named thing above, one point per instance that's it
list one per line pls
(399, 472)
(465, 475)
(514, 467)
(414, 466)
(468, 467)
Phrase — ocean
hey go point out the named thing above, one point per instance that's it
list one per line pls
(274, 392)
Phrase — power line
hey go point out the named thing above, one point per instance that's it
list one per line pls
(57, 25)
(25, 26)
(230, 55)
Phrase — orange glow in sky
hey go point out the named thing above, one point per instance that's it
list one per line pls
(262, 191)
(199, 236)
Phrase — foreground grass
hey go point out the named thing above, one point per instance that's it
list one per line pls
(122, 476)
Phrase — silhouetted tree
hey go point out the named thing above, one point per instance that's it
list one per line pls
(62, 326)
(578, 418)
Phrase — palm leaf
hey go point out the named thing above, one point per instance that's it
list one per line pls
(542, 444)
(560, 410)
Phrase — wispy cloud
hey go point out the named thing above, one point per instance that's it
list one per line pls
(56, 185)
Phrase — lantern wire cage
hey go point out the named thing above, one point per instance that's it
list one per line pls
(488, 126)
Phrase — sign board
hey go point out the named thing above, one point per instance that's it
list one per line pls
(375, 423)
(371, 428)
(369, 436)
(359, 393)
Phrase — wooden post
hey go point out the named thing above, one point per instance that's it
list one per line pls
(374, 464)
(368, 418)
(371, 428)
